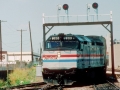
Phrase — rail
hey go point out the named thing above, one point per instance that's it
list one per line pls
(76, 18)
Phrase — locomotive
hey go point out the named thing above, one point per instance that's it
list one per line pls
(68, 57)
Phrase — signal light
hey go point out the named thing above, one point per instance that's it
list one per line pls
(95, 5)
(65, 7)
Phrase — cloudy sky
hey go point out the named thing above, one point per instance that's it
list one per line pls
(17, 14)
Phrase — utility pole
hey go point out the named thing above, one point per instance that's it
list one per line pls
(1, 48)
(31, 42)
(1, 41)
(21, 46)
(40, 50)
(40, 54)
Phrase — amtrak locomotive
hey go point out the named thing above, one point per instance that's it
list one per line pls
(68, 57)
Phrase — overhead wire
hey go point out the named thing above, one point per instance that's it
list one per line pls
(11, 33)
(11, 46)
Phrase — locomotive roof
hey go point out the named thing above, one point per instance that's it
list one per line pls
(95, 38)
(82, 38)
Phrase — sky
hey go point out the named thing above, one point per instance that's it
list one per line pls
(15, 15)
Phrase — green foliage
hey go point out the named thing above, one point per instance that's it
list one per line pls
(22, 76)
(2, 83)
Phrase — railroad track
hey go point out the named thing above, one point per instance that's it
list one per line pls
(35, 86)
(106, 86)
(32, 86)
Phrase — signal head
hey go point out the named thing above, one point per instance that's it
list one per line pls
(59, 7)
(95, 5)
(65, 6)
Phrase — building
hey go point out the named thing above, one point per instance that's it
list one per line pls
(26, 56)
(116, 52)
(16, 56)
(116, 56)
(108, 42)
(4, 56)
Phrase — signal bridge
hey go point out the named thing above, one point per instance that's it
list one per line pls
(77, 18)
(72, 20)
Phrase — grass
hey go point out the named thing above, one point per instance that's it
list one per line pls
(21, 76)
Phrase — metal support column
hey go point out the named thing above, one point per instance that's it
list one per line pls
(44, 37)
(112, 50)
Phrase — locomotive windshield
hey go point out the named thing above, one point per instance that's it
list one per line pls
(62, 41)
(62, 44)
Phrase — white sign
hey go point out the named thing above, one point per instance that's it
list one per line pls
(7, 62)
